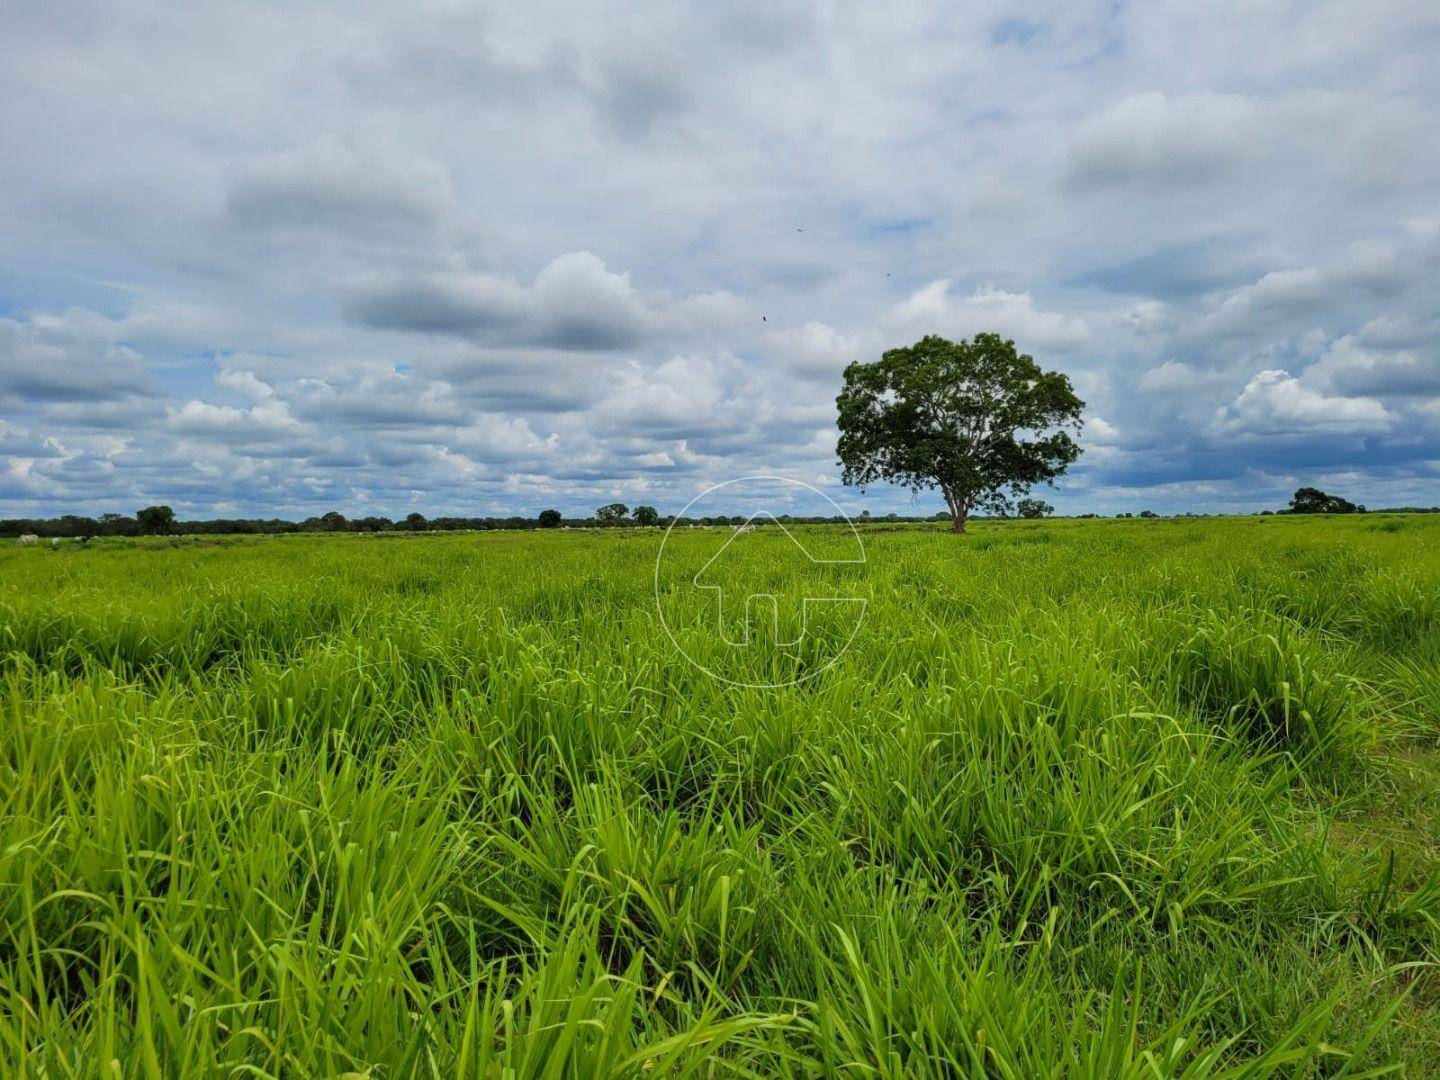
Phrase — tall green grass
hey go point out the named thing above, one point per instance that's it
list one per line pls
(1149, 799)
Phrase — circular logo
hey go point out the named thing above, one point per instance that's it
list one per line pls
(759, 599)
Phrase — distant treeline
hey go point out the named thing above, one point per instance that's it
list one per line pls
(74, 526)
(161, 521)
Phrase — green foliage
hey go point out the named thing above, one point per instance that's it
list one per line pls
(977, 419)
(646, 515)
(549, 519)
(1033, 508)
(1082, 799)
(612, 513)
(1309, 500)
(155, 520)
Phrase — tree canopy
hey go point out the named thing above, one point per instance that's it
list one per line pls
(155, 519)
(1033, 508)
(977, 419)
(1311, 500)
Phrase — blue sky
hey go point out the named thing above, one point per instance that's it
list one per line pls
(460, 259)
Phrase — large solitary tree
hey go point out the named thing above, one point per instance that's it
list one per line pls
(1309, 500)
(977, 419)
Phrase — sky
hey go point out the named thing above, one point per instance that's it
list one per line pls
(280, 259)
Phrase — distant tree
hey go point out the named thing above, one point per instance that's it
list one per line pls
(549, 519)
(1309, 500)
(1148, 514)
(416, 522)
(977, 419)
(334, 521)
(646, 515)
(155, 520)
(1033, 508)
(612, 513)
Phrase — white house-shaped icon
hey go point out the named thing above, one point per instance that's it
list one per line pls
(712, 576)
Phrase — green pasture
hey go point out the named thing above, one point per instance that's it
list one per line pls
(1072, 799)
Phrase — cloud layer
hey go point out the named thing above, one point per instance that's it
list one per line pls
(268, 261)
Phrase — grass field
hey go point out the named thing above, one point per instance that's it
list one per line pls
(1111, 799)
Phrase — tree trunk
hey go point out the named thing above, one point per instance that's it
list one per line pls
(958, 511)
